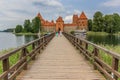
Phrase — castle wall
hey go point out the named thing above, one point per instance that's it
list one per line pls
(53, 28)
(48, 28)
(69, 28)
(83, 24)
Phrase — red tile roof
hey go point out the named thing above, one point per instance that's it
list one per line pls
(83, 16)
(59, 19)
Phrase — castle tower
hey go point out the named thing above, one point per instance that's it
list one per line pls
(59, 24)
(83, 21)
(75, 19)
(42, 20)
(39, 15)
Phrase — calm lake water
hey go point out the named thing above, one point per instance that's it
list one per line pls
(9, 40)
(104, 39)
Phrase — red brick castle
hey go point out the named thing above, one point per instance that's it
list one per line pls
(78, 23)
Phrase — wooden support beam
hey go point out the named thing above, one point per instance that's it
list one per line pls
(5, 63)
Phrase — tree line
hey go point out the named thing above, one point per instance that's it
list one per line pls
(29, 27)
(104, 23)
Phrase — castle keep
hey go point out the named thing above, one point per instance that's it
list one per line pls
(78, 23)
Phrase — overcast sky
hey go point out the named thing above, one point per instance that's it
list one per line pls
(13, 12)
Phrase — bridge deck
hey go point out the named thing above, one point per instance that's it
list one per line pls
(60, 61)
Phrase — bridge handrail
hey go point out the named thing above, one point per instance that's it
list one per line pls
(24, 56)
(112, 71)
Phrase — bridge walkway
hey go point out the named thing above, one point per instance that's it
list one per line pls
(60, 61)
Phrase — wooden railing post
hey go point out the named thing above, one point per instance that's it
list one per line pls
(75, 42)
(95, 55)
(86, 46)
(71, 40)
(48, 39)
(5, 63)
(80, 46)
(33, 47)
(39, 46)
(115, 64)
(24, 53)
(43, 42)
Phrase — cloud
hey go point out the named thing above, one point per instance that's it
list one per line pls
(112, 3)
(53, 3)
(49, 6)
(13, 12)
(77, 11)
(68, 18)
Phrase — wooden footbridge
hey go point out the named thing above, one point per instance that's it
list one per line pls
(54, 58)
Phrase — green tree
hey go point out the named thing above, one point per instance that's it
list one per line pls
(90, 25)
(112, 23)
(116, 21)
(27, 26)
(98, 22)
(36, 25)
(104, 27)
(109, 23)
(18, 29)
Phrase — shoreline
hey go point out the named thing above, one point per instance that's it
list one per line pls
(4, 51)
(42, 33)
(101, 33)
(25, 33)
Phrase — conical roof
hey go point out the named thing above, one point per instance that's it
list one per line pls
(39, 15)
(59, 19)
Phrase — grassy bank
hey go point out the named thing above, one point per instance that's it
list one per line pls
(5, 51)
(101, 33)
(112, 48)
(42, 33)
(96, 33)
(25, 33)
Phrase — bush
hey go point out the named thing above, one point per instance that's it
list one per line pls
(18, 29)
(72, 32)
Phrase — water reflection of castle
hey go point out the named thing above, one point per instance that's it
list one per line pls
(78, 23)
